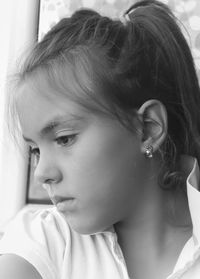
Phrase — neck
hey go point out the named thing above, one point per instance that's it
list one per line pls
(155, 241)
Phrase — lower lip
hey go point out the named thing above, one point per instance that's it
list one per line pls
(65, 205)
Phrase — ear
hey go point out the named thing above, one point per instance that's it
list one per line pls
(154, 129)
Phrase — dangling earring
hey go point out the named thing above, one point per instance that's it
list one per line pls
(149, 151)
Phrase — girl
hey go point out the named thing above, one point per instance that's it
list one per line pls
(111, 110)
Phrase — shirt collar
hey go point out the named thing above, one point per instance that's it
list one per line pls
(186, 258)
(108, 231)
(193, 182)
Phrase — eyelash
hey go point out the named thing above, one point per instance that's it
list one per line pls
(63, 138)
(59, 140)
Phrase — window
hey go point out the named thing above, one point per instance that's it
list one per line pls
(18, 27)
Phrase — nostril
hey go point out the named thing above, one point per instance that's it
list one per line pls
(49, 181)
(47, 174)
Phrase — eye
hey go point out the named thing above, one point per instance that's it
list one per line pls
(66, 140)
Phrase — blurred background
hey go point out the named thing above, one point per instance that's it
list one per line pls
(187, 11)
(21, 23)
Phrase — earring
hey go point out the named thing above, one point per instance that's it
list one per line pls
(149, 151)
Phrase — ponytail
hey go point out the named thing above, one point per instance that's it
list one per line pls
(165, 70)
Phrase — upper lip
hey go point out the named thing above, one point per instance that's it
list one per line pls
(57, 199)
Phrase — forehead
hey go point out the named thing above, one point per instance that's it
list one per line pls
(37, 92)
(36, 109)
(63, 81)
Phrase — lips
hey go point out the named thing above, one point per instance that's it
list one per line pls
(66, 206)
(55, 198)
(58, 199)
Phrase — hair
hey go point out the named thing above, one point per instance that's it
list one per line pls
(113, 67)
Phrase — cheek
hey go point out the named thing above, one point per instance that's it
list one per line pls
(105, 176)
(104, 197)
(106, 181)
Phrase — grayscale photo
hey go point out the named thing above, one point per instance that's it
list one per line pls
(100, 139)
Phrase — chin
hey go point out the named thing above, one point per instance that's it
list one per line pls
(86, 228)
(87, 225)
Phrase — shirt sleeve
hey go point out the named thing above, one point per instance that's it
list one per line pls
(36, 236)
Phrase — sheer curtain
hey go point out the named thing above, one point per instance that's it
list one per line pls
(18, 25)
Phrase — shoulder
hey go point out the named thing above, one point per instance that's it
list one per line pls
(40, 236)
(34, 222)
(12, 266)
(41, 228)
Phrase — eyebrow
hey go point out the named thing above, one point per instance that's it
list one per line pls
(55, 123)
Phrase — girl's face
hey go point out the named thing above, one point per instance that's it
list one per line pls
(92, 159)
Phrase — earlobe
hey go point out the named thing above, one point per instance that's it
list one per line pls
(154, 118)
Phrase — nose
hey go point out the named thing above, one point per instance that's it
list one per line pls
(47, 171)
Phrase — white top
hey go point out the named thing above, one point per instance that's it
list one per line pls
(44, 239)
